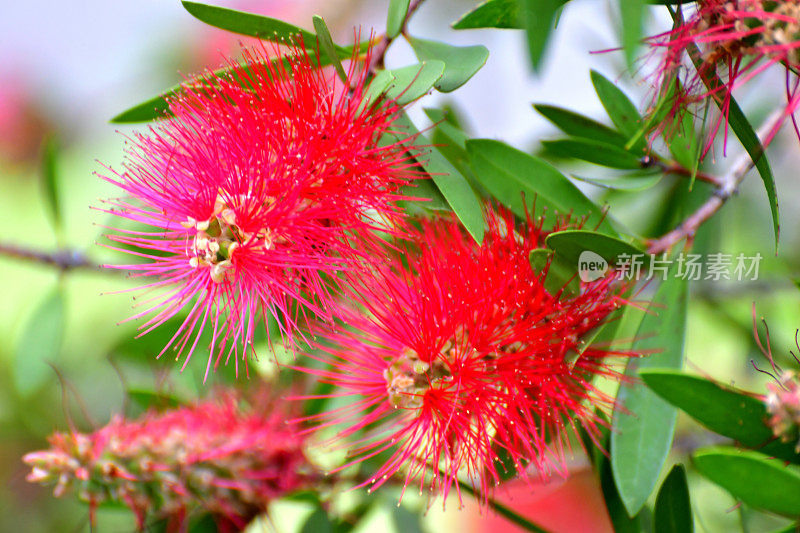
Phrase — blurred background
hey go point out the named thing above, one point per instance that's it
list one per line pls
(67, 67)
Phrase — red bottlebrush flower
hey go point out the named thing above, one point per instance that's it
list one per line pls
(229, 460)
(463, 356)
(265, 183)
(737, 40)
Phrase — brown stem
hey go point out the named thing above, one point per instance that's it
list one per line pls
(63, 259)
(679, 170)
(379, 52)
(728, 186)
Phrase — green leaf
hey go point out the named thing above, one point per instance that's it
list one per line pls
(39, 342)
(753, 478)
(507, 173)
(49, 174)
(560, 274)
(632, 15)
(673, 511)
(398, 9)
(460, 62)
(597, 152)
(450, 182)
(414, 81)
(578, 125)
(643, 423)
(249, 24)
(327, 47)
(616, 510)
(405, 521)
(631, 182)
(745, 133)
(570, 245)
(491, 14)
(619, 107)
(538, 17)
(721, 409)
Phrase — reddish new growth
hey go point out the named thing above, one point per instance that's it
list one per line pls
(216, 457)
(462, 356)
(735, 40)
(268, 180)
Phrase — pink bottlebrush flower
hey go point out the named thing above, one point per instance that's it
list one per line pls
(737, 40)
(461, 356)
(228, 459)
(264, 185)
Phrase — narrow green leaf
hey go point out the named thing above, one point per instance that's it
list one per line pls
(491, 14)
(39, 342)
(632, 16)
(396, 17)
(630, 182)
(619, 107)
(507, 173)
(538, 17)
(597, 152)
(414, 81)
(49, 175)
(578, 125)
(616, 510)
(450, 182)
(753, 478)
(571, 244)
(249, 24)
(460, 62)
(673, 511)
(326, 45)
(746, 134)
(643, 423)
(721, 409)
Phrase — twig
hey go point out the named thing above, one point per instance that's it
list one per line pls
(379, 52)
(63, 259)
(728, 186)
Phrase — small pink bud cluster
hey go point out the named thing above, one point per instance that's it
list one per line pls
(230, 459)
(783, 406)
(731, 42)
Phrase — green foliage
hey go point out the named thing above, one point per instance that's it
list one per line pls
(570, 244)
(747, 136)
(673, 511)
(39, 343)
(49, 176)
(451, 183)
(561, 274)
(620, 109)
(396, 17)
(753, 478)
(326, 46)
(491, 14)
(249, 24)
(632, 12)
(538, 18)
(460, 62)
(643, 423)
(577, 125)
(511, 176)
(597, 152)
(721, 409)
